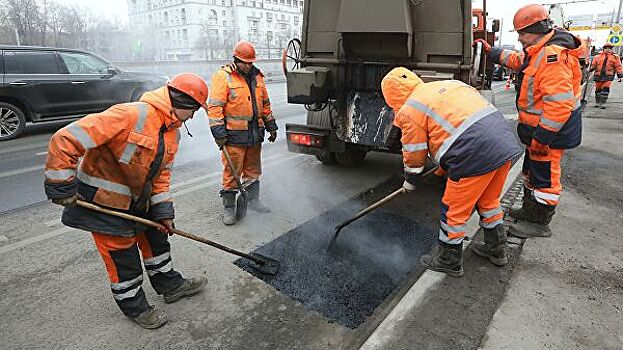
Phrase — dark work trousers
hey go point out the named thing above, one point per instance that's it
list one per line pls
(123, 263)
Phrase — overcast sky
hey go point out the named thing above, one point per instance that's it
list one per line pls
(496, 8)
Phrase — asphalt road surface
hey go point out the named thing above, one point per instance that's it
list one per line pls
(55, 292)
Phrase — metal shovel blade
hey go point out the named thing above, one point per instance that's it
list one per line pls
(269, 266)
(241, 206)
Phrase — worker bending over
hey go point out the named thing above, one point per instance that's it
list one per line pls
(127, 153)
(473, 144)
(548, 102)
(239, 113)
(605, 65)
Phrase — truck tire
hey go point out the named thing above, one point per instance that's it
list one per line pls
(136, 95)
(322, 118)
(351, 156)
(12, 121)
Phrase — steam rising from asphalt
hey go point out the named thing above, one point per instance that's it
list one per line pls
(371, 257)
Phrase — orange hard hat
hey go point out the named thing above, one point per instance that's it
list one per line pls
(192, 85)
(608, 45)
(529, 15)
(244, 51)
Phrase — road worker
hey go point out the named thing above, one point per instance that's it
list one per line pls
(127, 153)
(473, 144)
(548, 102)
(605, 65)
(239, 113)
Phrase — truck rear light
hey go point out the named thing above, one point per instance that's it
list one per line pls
(307, 140)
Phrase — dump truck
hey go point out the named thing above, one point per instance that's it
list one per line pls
(347, 47)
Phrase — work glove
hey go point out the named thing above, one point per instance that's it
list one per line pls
(409, 183)
(619, 80)
(221, 141)
(66, 201)
(538, 149)
(485, 44)
(273, 136)
(167, 226)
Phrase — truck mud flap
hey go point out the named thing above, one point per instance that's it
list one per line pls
(368, 120)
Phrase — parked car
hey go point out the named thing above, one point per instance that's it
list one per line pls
(40, 84)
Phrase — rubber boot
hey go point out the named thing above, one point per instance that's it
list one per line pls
(494, 246)
(253, 195)
(535, 226)
(229, 203)
(446, 258)
(189, 286)
(150, 318)
(527, 204)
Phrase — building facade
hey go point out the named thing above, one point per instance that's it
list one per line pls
(208, 29)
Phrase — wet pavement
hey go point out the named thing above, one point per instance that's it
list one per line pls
(348, 281)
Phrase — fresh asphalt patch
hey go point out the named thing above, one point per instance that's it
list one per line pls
(347, 282)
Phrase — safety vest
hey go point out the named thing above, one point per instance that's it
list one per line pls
(549, 93)
(118, 147)
(458, 127)
(237, 109)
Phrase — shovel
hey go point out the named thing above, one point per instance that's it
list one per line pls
(374, 206)
(264, 264)
(241, 201)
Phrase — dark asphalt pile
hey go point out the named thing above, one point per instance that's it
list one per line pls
(371, 258)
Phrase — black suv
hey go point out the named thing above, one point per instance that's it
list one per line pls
(44, 84)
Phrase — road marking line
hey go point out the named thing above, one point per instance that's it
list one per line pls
(3, 238)
(41, 153)
(21, 171)
(28, 241)
(54, 222)
(216, 181)
(27, 147)
(35, 239)
(211, 175)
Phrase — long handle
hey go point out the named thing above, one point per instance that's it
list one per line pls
(381, 201)
(147, 222)
(372, 207)
(233, 170)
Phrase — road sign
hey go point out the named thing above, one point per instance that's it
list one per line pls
(615, 39)
(616, 29)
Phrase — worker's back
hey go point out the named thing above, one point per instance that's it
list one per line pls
(465, 133)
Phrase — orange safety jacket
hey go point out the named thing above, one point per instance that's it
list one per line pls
(239, 107)
(549, 88)
(605, 65)
(120, 148)
(453, 123)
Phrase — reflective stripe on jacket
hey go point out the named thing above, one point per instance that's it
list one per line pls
(549, 78)
(460, 129)
(118, 147)
(606, 72)
(239, 107)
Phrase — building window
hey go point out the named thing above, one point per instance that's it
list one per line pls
(223, 3)
(296, 19)
(224, 13)
(185, 34)
(269, 16)
(224, 23)
(213, 18)
(183, 16)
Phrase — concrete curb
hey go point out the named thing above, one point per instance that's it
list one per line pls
(428, 281)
